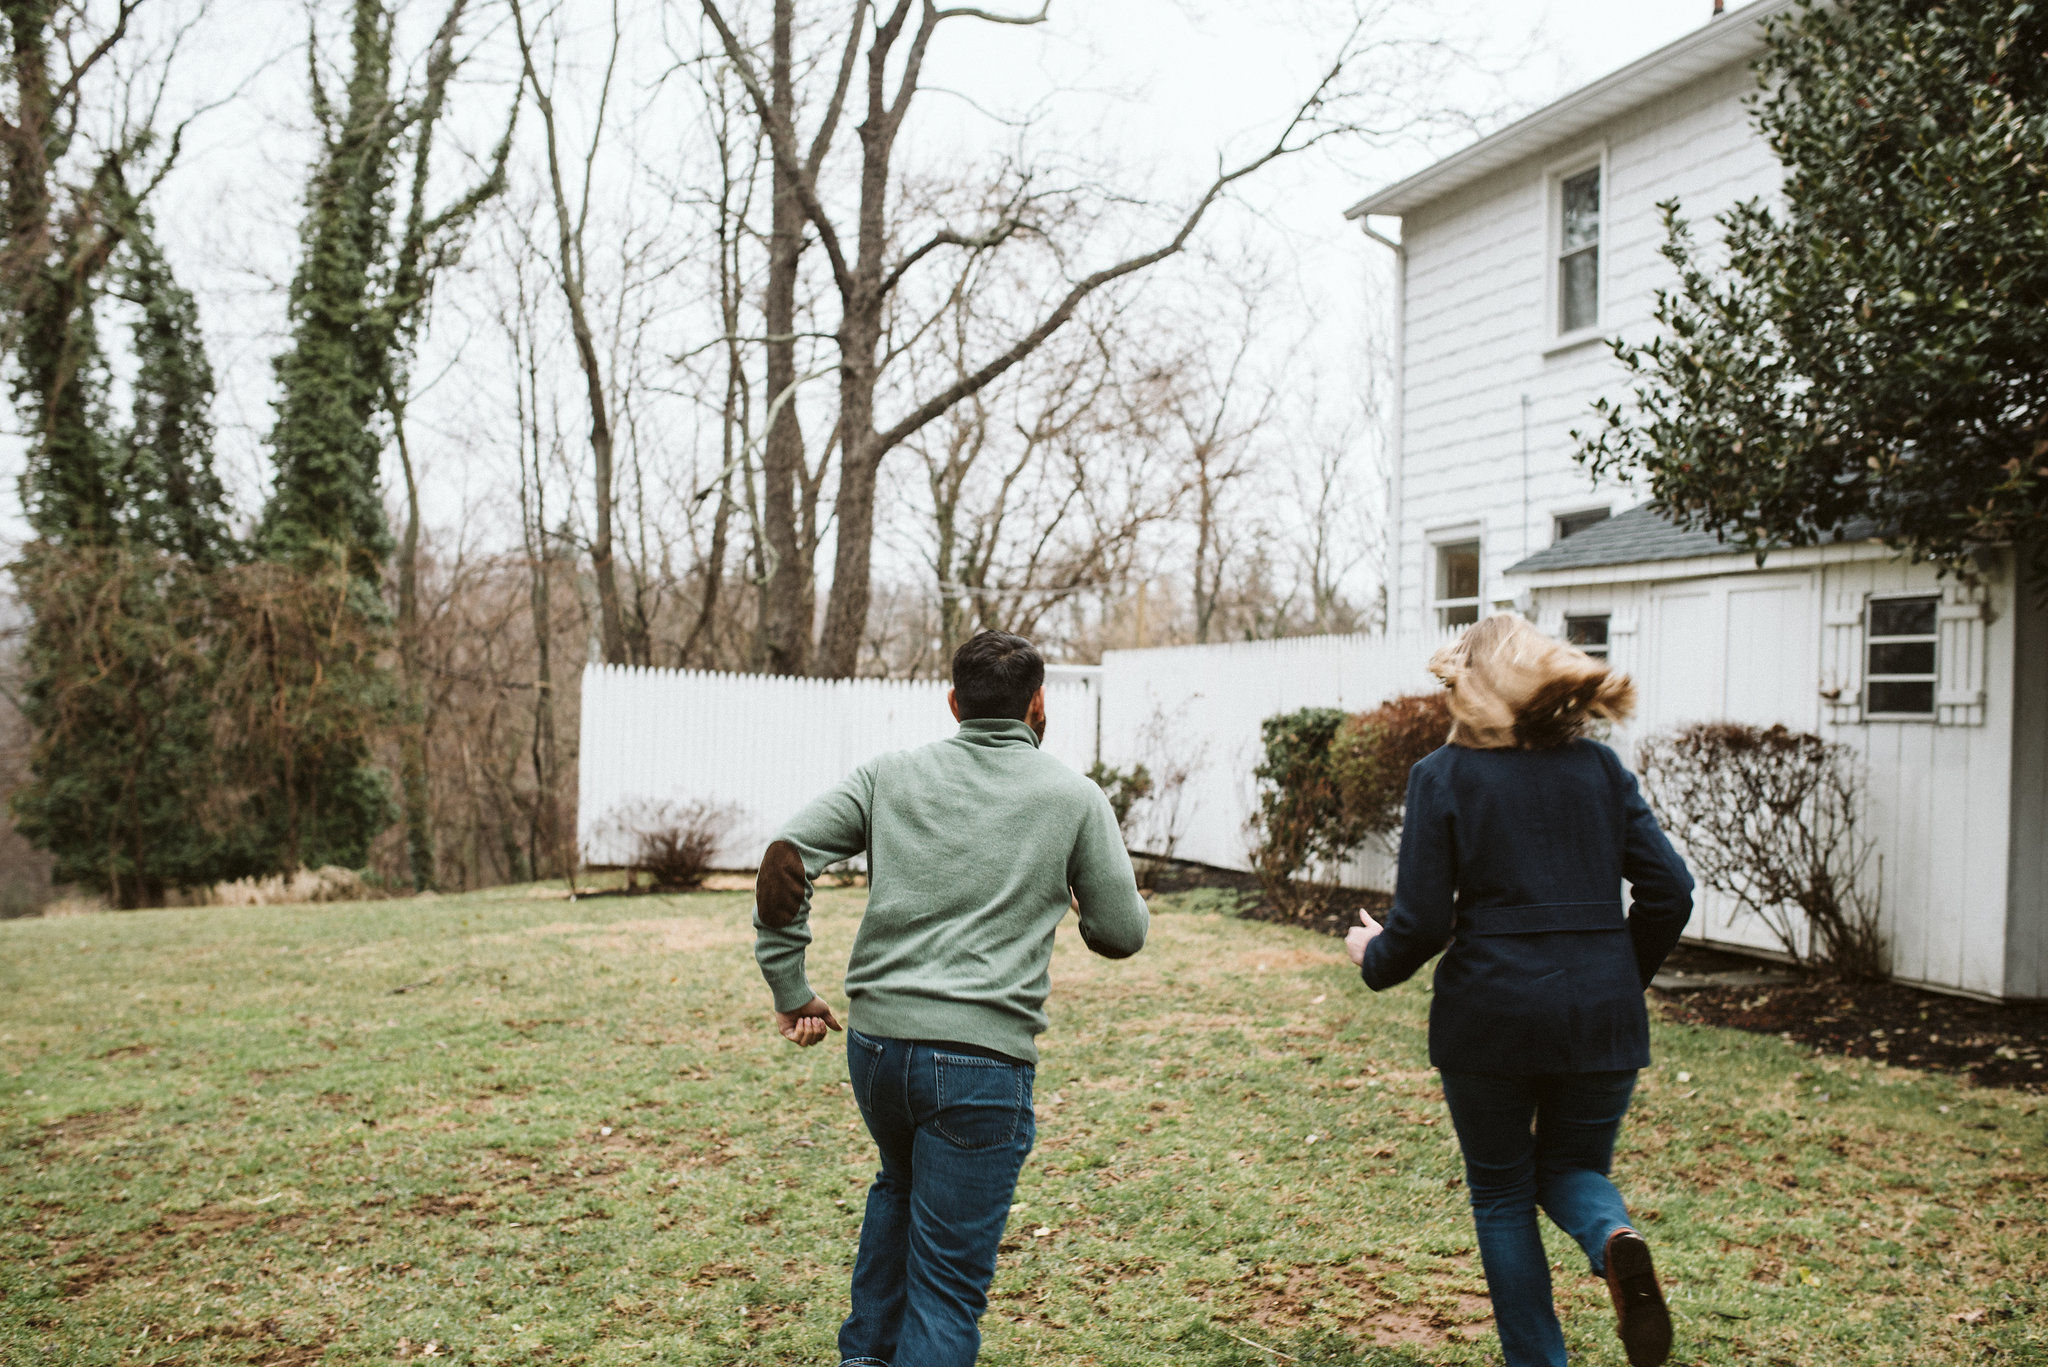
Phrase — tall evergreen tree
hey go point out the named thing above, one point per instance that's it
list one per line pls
(129, 524)
(175, 502)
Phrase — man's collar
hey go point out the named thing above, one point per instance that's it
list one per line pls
(997, 731)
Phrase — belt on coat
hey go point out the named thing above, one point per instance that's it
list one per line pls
(1542, 918)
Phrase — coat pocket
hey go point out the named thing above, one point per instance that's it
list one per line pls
(982, 1103)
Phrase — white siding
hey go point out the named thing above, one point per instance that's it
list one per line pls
(1746, 646)
(1476, 327)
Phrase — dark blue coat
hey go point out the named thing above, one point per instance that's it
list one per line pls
(1515, 860)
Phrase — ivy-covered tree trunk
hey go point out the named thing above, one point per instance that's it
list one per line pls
(325, 445)
(323, 799)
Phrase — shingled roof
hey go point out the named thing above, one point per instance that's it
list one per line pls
(1644, 535)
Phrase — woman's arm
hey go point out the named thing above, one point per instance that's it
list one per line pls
(1424, 889)
(1660, 887)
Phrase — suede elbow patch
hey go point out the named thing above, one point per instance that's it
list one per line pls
(779, 886)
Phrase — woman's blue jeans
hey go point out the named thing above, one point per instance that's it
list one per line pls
(953, 1130)
(1548, 1140)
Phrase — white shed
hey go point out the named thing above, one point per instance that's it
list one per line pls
(1517, 257)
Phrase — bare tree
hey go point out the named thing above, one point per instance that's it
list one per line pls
(868, 272)
(1216, 407)
(572, 272)
(430, 242)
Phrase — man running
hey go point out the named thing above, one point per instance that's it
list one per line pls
(976, 846)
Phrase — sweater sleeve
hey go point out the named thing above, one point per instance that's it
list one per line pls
(1425, 889)
(832, 828)
(1113, 915)
(1660, 887)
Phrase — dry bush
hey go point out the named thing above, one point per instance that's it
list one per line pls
(1171, 760)
(1769, 817)
(1125, 789)
(329, 884)
(674, 843)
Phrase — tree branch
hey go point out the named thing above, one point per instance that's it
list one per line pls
(968, 12)
(972, 383)
(782, 142)
(946, 237)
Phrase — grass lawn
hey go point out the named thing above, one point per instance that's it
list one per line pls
(226, 1137)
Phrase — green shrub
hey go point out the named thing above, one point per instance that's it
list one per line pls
(1330, 782)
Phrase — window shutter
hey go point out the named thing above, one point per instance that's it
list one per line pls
(1841, 666)
(1959, 688)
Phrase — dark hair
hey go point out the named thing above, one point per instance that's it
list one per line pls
(995, 674)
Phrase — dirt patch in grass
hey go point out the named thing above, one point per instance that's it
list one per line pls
(1357, 1298)
(83, 1126)
(1993, 1045)
(261, 1343)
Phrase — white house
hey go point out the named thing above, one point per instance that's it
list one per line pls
(1517, 256)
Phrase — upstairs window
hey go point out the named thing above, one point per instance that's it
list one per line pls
(1571, 524)
(1578, 252)
(1457, 583)
(1588, 633)
(1899, 664)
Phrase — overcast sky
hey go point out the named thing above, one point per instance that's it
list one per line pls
(1169, 84)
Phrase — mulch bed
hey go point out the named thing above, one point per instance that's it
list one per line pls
(1991, 1044)
(1994, 1045)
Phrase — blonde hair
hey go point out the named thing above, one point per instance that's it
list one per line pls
(1513, 688)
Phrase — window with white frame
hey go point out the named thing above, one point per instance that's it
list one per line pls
(1587, 631)
(1456, 584)
(1900, 642)
(1578, 251)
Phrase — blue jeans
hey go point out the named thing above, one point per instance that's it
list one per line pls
(953, 1130)
(1548, 1140)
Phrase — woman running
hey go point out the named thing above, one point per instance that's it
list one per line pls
(1518, 835)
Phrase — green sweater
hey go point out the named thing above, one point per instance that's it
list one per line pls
(973, 844)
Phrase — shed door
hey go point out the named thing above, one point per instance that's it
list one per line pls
(1686, 683)
(1772, 657)
(1738, 648)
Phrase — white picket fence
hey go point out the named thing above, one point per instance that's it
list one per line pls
(1194, 712)
(761, 746)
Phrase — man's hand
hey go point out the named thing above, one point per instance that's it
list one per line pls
(1357, 938)
(807, 1024)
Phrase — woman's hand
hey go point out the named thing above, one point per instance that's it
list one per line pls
(807, 1024)
(1361, 935)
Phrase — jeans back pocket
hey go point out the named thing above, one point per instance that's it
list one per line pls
(863, 1056)
(981, 1102)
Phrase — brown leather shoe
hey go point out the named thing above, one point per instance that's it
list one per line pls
(1640, 1316)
